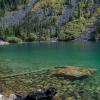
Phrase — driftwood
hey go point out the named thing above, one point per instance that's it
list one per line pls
(18, 74)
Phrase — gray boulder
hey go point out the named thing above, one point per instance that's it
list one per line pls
(89, 34)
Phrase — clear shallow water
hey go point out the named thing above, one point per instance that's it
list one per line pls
(47, 55)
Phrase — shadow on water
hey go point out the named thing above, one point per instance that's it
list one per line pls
(71, 78)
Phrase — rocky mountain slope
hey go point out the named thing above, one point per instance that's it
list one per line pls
(32, 20)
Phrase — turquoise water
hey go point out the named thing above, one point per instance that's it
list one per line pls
(47, 55)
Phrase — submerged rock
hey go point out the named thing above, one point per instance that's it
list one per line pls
(75, 72)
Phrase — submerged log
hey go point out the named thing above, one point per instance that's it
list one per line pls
(17, 74)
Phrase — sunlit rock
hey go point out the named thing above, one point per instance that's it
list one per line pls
(3, 42)
(75, 72)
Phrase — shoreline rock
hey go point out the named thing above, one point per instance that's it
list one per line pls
(3, 42)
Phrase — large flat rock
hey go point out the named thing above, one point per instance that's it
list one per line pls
(74, 72)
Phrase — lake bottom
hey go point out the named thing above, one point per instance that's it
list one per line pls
(67, 89)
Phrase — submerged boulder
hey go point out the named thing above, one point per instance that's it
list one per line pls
(74, 72)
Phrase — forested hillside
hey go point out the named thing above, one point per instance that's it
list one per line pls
(29, 20)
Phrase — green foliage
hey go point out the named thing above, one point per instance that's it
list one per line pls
(12, 4)
(65, 36)
(14, 39)
(62, 36)
(46, 14)
(98, 25)
(73, 28)
(31, 37)
(2, 12)
(46, 37)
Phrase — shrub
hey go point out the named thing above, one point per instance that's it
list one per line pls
(66, 36)
(14, 39)
(31, 37)
(98, 25)
(61, 36)
(46, 36)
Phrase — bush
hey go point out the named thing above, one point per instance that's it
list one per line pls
(66, 36)
(46, 36)
(98, 25)
(14, 40)
(61, 36)
(31, 37)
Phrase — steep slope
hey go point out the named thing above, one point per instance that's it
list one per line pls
(42, 19)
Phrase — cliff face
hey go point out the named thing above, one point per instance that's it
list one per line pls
(89, 34)
(42, 17)
(16, 17)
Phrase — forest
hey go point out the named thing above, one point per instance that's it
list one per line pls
(43, 20)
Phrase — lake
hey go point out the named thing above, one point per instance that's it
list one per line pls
(44, 55)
